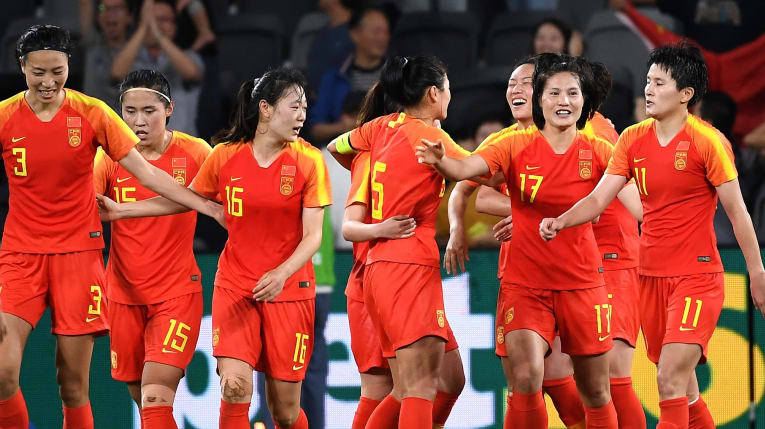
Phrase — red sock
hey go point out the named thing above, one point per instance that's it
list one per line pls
(603, 417)
(13, 412)
(158, 418)
(363, 411)
(674, 413)
(385, 416)
(528, 411)
(442, 407)
(566, 399)
(416, 413)
(629, 411)
(234, 416)
(300, 423)
(508, 420)
(699, 417)
(79, 417)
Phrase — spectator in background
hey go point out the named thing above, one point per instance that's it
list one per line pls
(370, 32)
(553, 36)
(198, 14)
(333, 44)
(152, 47)
(102, 44)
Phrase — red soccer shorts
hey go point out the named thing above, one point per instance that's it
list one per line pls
(365, 343)
(71, 283)
(623, 288)
(275, 338)
(166, 332)
(682, 309)
(405, 303)
(581, 317)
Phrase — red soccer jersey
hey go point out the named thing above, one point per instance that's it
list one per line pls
(545, 184)
(52, 206)
(151, 259)
(264, 207)
(677, 187)
(402, 186)
(359, 193)
(617, 231)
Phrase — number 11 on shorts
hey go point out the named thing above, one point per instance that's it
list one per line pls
(300, 349)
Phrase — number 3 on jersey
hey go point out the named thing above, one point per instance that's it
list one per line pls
(21, 154)
(377, 203)
(534, 187)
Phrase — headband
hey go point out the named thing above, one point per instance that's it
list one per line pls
(145, 89)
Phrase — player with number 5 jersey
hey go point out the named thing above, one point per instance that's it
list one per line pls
(51, 247)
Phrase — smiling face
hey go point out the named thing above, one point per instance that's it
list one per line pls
(46, 73)
(520, 89)
(662, 96)
(286, 118)
(146, 114)
(562, 100)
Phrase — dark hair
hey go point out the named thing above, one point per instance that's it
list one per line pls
(150, 79)
(685, 63)
(720, 110)
(43, 38)
(560, 25)
(551, 64)
(403, 82)
(270, 87)
(358, 15)
(529, 59)
(601, 78)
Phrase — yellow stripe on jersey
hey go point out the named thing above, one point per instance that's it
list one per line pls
(497, 135)
(398, 121)
(507, 132)
(362, 194)
(713, 136)
(100, 157)
(322, 183)
(112, 117)
(11, 100)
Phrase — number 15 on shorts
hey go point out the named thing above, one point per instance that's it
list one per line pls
(300, 350)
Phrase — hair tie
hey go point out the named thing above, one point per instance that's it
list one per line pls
(144, 89)
(255, 85)
(404, 63)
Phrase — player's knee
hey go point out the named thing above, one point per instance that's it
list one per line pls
(72, 389)
(595, 396)
(670, 383)
(235, 388)
(154, 395)
(527, 377)
(285, 413)
(9, 382)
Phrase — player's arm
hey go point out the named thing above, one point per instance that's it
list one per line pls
(453, 169)
(456, 249)
(630, 197)
(340, 148)
(587, 209)
(493, 202)
(271, 283)
(733, 203)
(355, 230)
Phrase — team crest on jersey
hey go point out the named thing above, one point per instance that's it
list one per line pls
(500, 335)
(681, 160)
(585, 169)
(286, 185)
(114, 359)
(509, 314)
(178, 162)
(75, 136)
(215, 337)
(440, 318)
(289, 170)
(179, 174)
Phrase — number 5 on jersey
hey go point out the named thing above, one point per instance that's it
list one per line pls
(377, 187)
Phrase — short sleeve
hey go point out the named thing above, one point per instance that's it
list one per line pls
(199, 150)
(361, 137)
(496, 155)
(207, 179)
(619, 163)
(603, 151)
(453, 150)
(717, 154)
(103, 169)
(359, 192)
(317, 192)
(112, 133)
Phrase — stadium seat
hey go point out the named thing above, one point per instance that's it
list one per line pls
(248, 44)
(663, 19)
(578, 12)
(309, 25)
(289, 12)
(620, 104)
(511, 35)
(8, 61)
(611, 42)
(16, 9)
(476, 92)
(452, 36)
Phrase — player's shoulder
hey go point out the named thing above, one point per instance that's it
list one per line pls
(10, 105)
(224, 151)
(304, 153)
(638, 130)
(512, 135)
(86, 104)
(190, 143)
(704, 133)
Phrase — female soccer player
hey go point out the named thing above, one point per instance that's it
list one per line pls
(681, 166)
(402, 276)
(549, 286)
(153, 282)
(51, 247)
(274, 186)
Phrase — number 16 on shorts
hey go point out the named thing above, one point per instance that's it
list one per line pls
(300, 351)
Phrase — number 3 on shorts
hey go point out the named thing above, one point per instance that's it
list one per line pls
(95, 308)
(300, 349)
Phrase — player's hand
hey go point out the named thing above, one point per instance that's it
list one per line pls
(757, 287)
(399, 226)
(429, 153)
(595, 220)
(269, 286)
(3, 327)
(503, 230)
(549, 228)
(456, 252)
(108, 210)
